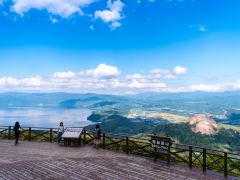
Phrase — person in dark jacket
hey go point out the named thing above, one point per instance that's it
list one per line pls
(97, 136)
(60, 132)
(17, 131)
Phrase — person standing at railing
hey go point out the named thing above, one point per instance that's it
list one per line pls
(60, 132)
(97, 136)
(17, 130)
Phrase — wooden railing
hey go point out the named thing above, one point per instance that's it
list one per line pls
(30, 133)
(191, 156)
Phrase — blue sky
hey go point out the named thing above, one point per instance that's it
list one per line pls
(143, 45)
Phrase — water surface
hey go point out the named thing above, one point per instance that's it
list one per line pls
(44, 117)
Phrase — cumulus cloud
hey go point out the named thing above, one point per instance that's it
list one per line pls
(68, 74)
(108, 79)
(91, 28)
(148, 86)
(145, 82)
(211, 87)
(134, 76)
(31, 82)
(115, 25)
(25, 84)
(112, 15)
(199, 27)
(167, 74)
(67, 8)
(162, 74)
(205, 87)
(180, 70)
(237, 85)
(53, 20)
(202, 28)
(102, 71)
(63, 8)
(8, 81)
(103, 77)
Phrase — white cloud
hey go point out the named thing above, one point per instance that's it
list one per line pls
(63, 8)
(202, 28)
(112, 15)
(199, 27)
(91, 27)
(53, 20)
(167, 74)
(115, 25)
(31, 82)
(147, 82)
(24, 84)
(162, 74)
(210, 87)
(67, 8)
(102, 78)
(237, 85)
(154, 80)
(8, 81)
(102, 71)
(135, 76)
(206, 87)
(147, 85)
(178, 70)
(68, 74)
(108, 79)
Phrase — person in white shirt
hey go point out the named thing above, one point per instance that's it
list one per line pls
(60, 132)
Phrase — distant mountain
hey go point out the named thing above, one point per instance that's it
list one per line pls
(185, 95)
(65, 100)
(33, 99)
(223, 107)
(97, 101)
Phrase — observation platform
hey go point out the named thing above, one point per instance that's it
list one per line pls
(43, 160)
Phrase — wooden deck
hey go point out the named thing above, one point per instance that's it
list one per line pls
(41, 160)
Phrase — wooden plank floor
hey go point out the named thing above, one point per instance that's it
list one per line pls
(39, 160)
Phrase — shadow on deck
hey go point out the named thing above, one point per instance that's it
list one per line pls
(41, 160)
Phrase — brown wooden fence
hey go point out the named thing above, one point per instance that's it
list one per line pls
(192, 156)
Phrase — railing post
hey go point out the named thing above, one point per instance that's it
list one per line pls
(127, 145)
(51, 135)
(104, 141)
(80, 140)
(9, 132)
(190, 156)
(225, 164)
(29, 134)
(204, 159)
(84, 136)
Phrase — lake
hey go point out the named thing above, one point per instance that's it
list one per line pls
(44, 117)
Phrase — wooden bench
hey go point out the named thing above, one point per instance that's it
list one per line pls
(161, 146)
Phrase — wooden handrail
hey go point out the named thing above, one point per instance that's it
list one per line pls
(191, 155)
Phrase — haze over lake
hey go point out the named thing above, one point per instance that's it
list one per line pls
(44, 117)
